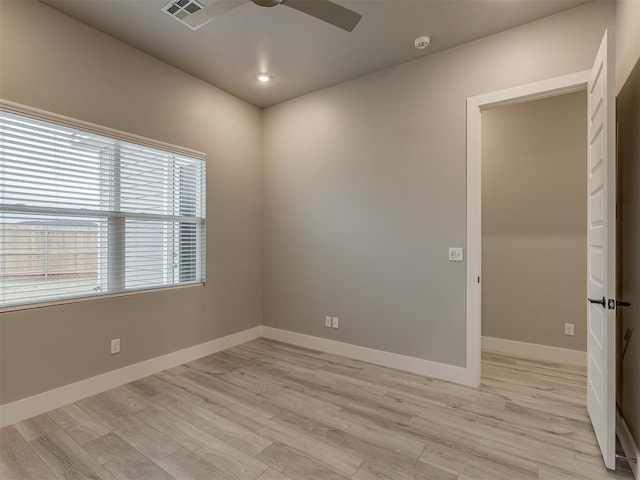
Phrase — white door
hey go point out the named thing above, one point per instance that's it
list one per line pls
(601, 244)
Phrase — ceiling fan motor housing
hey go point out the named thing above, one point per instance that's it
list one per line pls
(267, 3)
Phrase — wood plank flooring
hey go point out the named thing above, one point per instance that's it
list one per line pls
(271, 411)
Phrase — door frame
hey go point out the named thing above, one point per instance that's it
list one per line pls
(475, 105)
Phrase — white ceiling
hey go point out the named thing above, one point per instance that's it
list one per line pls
(302, 53)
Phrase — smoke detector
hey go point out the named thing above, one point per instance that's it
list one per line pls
(181, 9)
(422, 42)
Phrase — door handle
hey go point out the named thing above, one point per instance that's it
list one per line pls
(613, 304)
(602, 301)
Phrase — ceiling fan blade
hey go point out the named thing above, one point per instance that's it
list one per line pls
(214, 10)
(327, 11)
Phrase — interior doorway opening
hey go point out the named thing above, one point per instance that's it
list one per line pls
(534, 229)
(601, 231)
(475, 106)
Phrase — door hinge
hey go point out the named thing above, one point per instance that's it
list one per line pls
(478, 279)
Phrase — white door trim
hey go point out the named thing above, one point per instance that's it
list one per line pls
(475, 105)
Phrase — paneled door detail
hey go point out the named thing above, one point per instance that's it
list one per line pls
(601, 274)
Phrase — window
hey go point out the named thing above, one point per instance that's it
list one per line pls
(84, 213)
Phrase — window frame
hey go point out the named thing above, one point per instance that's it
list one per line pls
(121, 217)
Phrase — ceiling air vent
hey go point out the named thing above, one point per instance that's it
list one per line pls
(181, 9)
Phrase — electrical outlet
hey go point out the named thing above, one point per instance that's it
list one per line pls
(327, 322)
(115, 346)
(569, 329)
(456, 254)
(335, 322)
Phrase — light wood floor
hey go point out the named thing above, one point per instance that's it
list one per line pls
(270, 411)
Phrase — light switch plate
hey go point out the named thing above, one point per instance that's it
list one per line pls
(456, 254)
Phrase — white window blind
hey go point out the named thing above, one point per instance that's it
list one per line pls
(87, 214)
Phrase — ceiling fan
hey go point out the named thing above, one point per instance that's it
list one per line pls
(324, 10)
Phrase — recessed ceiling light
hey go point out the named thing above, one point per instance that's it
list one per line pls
(263, 77)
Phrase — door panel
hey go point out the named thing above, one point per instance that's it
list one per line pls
(601, 259)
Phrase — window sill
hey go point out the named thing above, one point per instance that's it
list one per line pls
(90, 298)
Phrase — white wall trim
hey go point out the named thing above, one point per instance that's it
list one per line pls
(43, 402)
(406, 363)
(534, 351)
(475, 105)
(629, 446)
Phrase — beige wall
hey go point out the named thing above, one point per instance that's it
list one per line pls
(628, 250)
(534, 221)
(365, 189)
(628, 87)
(52, 62)
(627, 38)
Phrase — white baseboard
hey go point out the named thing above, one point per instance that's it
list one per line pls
(534, 351)
(420, 366)
(43, 402)
(630, 447)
